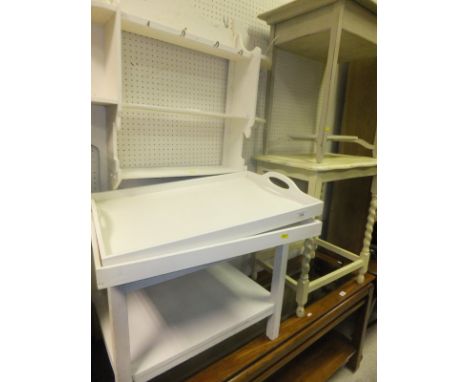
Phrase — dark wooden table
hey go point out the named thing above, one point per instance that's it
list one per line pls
(308, 348)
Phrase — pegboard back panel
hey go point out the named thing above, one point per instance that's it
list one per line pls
(149, 139)
(244, 12)
(157, 73)
(295, 96)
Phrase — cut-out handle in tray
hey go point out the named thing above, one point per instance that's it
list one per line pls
(281, 181)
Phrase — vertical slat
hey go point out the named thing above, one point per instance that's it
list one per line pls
(277, 290)
(371, 218)
(120, 334)
(310, 246)
(329, 79)
(269, 90)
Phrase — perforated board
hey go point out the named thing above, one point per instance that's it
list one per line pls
(296, 89)
(244, 12)
(157, 73)
(254, 33)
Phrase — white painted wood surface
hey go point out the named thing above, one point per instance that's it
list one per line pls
(310, 163)
(330, 31)
(173, 217)
(334, 167)
(183, 111)
(277, 290)
(105, 52)
(231, 49)
(157, 264)
(241, 93)
(119, 332)
(174, 172)
(154, 323)
(173, 321)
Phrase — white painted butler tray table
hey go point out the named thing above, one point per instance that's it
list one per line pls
(162, 288)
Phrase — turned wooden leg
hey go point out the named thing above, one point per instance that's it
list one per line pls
(302, 292)
(315, 187)
(371, 217)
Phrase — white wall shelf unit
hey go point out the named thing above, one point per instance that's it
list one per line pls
(238, 117)
(169, 296)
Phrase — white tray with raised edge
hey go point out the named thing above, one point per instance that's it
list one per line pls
(145, 222)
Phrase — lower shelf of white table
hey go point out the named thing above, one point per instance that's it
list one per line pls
(175, 320)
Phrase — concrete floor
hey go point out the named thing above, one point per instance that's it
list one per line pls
(367, 371)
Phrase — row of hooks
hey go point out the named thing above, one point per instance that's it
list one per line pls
(184, 32)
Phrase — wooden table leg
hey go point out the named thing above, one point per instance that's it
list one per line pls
(371, 217)
(315, 190)
(359, 332)
(277, 290)
(118, 315)
(302, 291)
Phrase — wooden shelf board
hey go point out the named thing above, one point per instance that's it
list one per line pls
(168, 172)
(319, 362)
(354, 47)
(178, 110)
(315, 46)
(309, 161)
(175, 320)
(97, 100)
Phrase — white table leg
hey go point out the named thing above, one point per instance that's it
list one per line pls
(365, 252)
(277, 290)
(315, 186)
(118, 315)
(302, 291)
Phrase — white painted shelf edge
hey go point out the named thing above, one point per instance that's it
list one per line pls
(156, 269)
(97, 100)
(162, 335)
(183, 38)
(182, 111)
(179, 110)
(171, 172)
(153, 29)
(334, 138)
